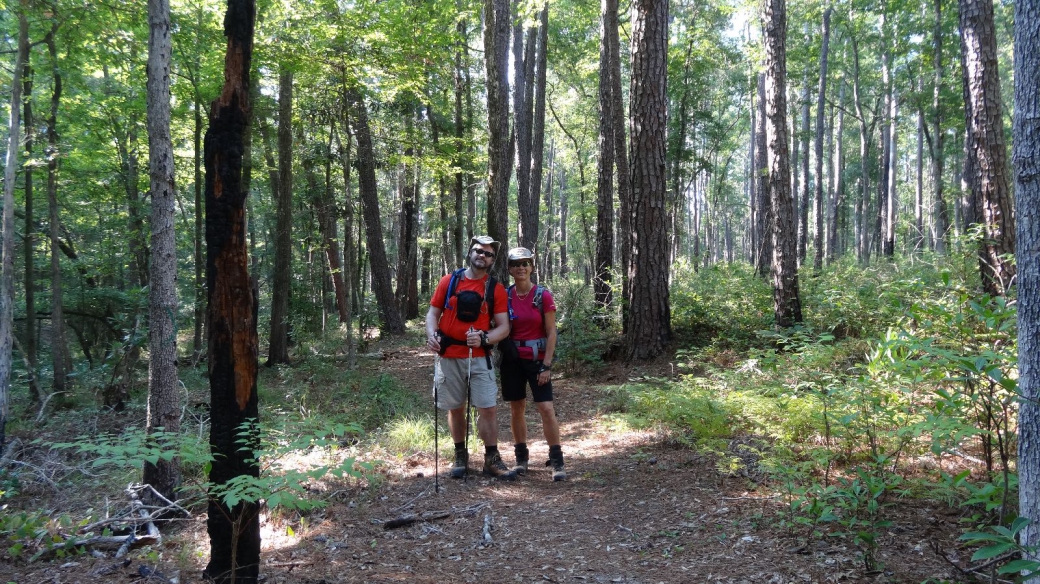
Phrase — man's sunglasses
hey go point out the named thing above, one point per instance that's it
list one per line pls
(519, 264)
(487, 254)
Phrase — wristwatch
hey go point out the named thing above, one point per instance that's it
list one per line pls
(544, 367)
(484, 340)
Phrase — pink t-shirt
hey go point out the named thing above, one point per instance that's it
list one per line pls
(528, 326)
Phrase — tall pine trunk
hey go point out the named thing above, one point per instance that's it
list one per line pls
(648, 319)
(819, 209)
(496, 60)
(7, 249)
(163, 395)
(605, 172)
(381, 281)
(1026, 156)
(281, 279)
(991, 191)
(787, 306)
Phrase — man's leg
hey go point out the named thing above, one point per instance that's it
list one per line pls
(487, 427)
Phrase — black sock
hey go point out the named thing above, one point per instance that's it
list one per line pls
(555, 450)
(520, 447)
(460, 446)
(489, 450)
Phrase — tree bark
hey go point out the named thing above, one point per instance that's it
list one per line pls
(764, 216)
(942, 215)
(281, 279)
(649, 316)
(234, 533)
(605, 171)
(7, 250)
(837, 198)
(59, 347)
(1026, 156)
(819, 210)
(787, 306)
(29, 237)
(408, 250)
(538, 127)
(989, 154)
(163, 403)
(496, 61)
(381, 281)
(624, 176)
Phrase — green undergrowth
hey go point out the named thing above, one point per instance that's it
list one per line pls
(898, 378)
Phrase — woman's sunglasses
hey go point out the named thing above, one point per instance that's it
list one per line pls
(519, 264)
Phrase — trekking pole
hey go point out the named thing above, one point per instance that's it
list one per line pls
(436, 435)
(469, 404)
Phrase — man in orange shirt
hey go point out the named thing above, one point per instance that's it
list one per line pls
(459, 329)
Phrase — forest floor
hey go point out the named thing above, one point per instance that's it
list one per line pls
(634, 509)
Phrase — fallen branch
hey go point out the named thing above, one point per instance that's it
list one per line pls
(411, 518)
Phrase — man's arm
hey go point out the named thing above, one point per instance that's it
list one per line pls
(433, 317)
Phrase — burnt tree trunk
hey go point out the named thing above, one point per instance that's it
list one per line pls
(234, 532)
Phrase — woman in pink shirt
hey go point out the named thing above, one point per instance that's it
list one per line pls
(532, 314)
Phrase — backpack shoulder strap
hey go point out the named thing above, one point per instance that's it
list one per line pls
(452, 285)
(509, 301)
(489, 295)
(538, 290)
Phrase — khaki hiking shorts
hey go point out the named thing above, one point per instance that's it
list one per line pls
(449, 383)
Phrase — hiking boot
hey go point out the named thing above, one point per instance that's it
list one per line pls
(522, 457)
(494, 467)
(556, 462)
(458, 470)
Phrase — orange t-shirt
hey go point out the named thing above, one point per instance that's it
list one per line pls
(455, 328)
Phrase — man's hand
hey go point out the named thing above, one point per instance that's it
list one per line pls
(473, 337)
(433, 343)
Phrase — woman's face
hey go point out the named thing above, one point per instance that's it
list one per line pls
(520, 269)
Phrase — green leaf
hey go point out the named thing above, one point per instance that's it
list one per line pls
(992, 551)
(1015, 566)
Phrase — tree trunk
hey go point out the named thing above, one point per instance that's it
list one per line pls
(1026, 155)
(28, 238)
(462, 160)
(862, 201)
(281, 279)
(407, 256)
(942, 214)
(605, 171)
(837, 164)
(163, 391)
(496, 61)
(523, 114)
(764, 216)
(918, 241)
(349, 249)
(892, 198)
(649, 317)
(819, 211)
(7, 250)
(325, 208)
(624, 176)
(538, 126)
(231, 312)
(787, 306)
(991, 190)
(801, 204)
(60, 361)
(381, 281)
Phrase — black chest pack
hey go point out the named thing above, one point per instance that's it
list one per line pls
(468, 303)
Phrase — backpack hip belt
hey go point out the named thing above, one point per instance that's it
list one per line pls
(535, 345)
